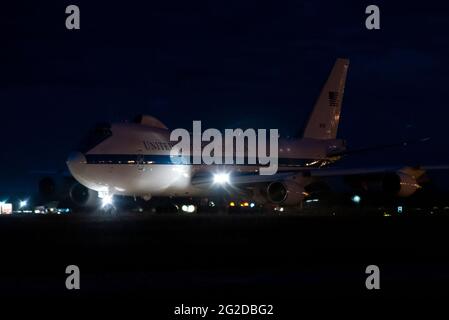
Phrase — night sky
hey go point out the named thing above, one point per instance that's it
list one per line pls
(228, 63)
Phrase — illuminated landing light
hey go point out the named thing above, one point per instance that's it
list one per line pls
(221, 178)
(356, 199)
(23, 203)
(106, 201)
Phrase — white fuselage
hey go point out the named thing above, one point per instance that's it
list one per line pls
(135, 160)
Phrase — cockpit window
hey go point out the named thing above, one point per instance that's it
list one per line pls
(98, 134)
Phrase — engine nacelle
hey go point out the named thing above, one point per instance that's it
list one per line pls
(401, 184)
(67, 192)
(285, 192)
(82, 196)
(398, 184)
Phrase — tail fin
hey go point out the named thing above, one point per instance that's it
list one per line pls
(325, 116)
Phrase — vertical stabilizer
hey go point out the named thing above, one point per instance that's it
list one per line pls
(325, 116)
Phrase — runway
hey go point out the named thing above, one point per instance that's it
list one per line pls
(211, 258)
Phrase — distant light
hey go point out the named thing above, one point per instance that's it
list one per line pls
(232, 204)
(252, 204)
(356, 199)
(221, 178)
(188, 208)
(5, 208)
(23, 203)
(399, 209)
(107, 200)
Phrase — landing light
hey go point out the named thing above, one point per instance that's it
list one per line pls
(221, 178)
(23, 203)
(106, 201)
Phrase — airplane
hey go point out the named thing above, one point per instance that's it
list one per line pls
(133, 159)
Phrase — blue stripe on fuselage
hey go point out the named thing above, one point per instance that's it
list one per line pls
(134, 159)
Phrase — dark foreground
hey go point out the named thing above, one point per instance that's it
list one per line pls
(245, 259)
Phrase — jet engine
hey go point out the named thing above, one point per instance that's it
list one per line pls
(285, 192)
(67, 192)
(400, 183)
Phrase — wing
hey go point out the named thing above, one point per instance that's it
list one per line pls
(206, 178)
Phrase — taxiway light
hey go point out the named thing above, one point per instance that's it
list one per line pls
(188, 208)
(356, 199)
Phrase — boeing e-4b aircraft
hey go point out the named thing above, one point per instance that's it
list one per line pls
(133, 159)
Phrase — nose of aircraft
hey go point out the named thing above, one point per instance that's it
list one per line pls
(75, 162)
(76, 156)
